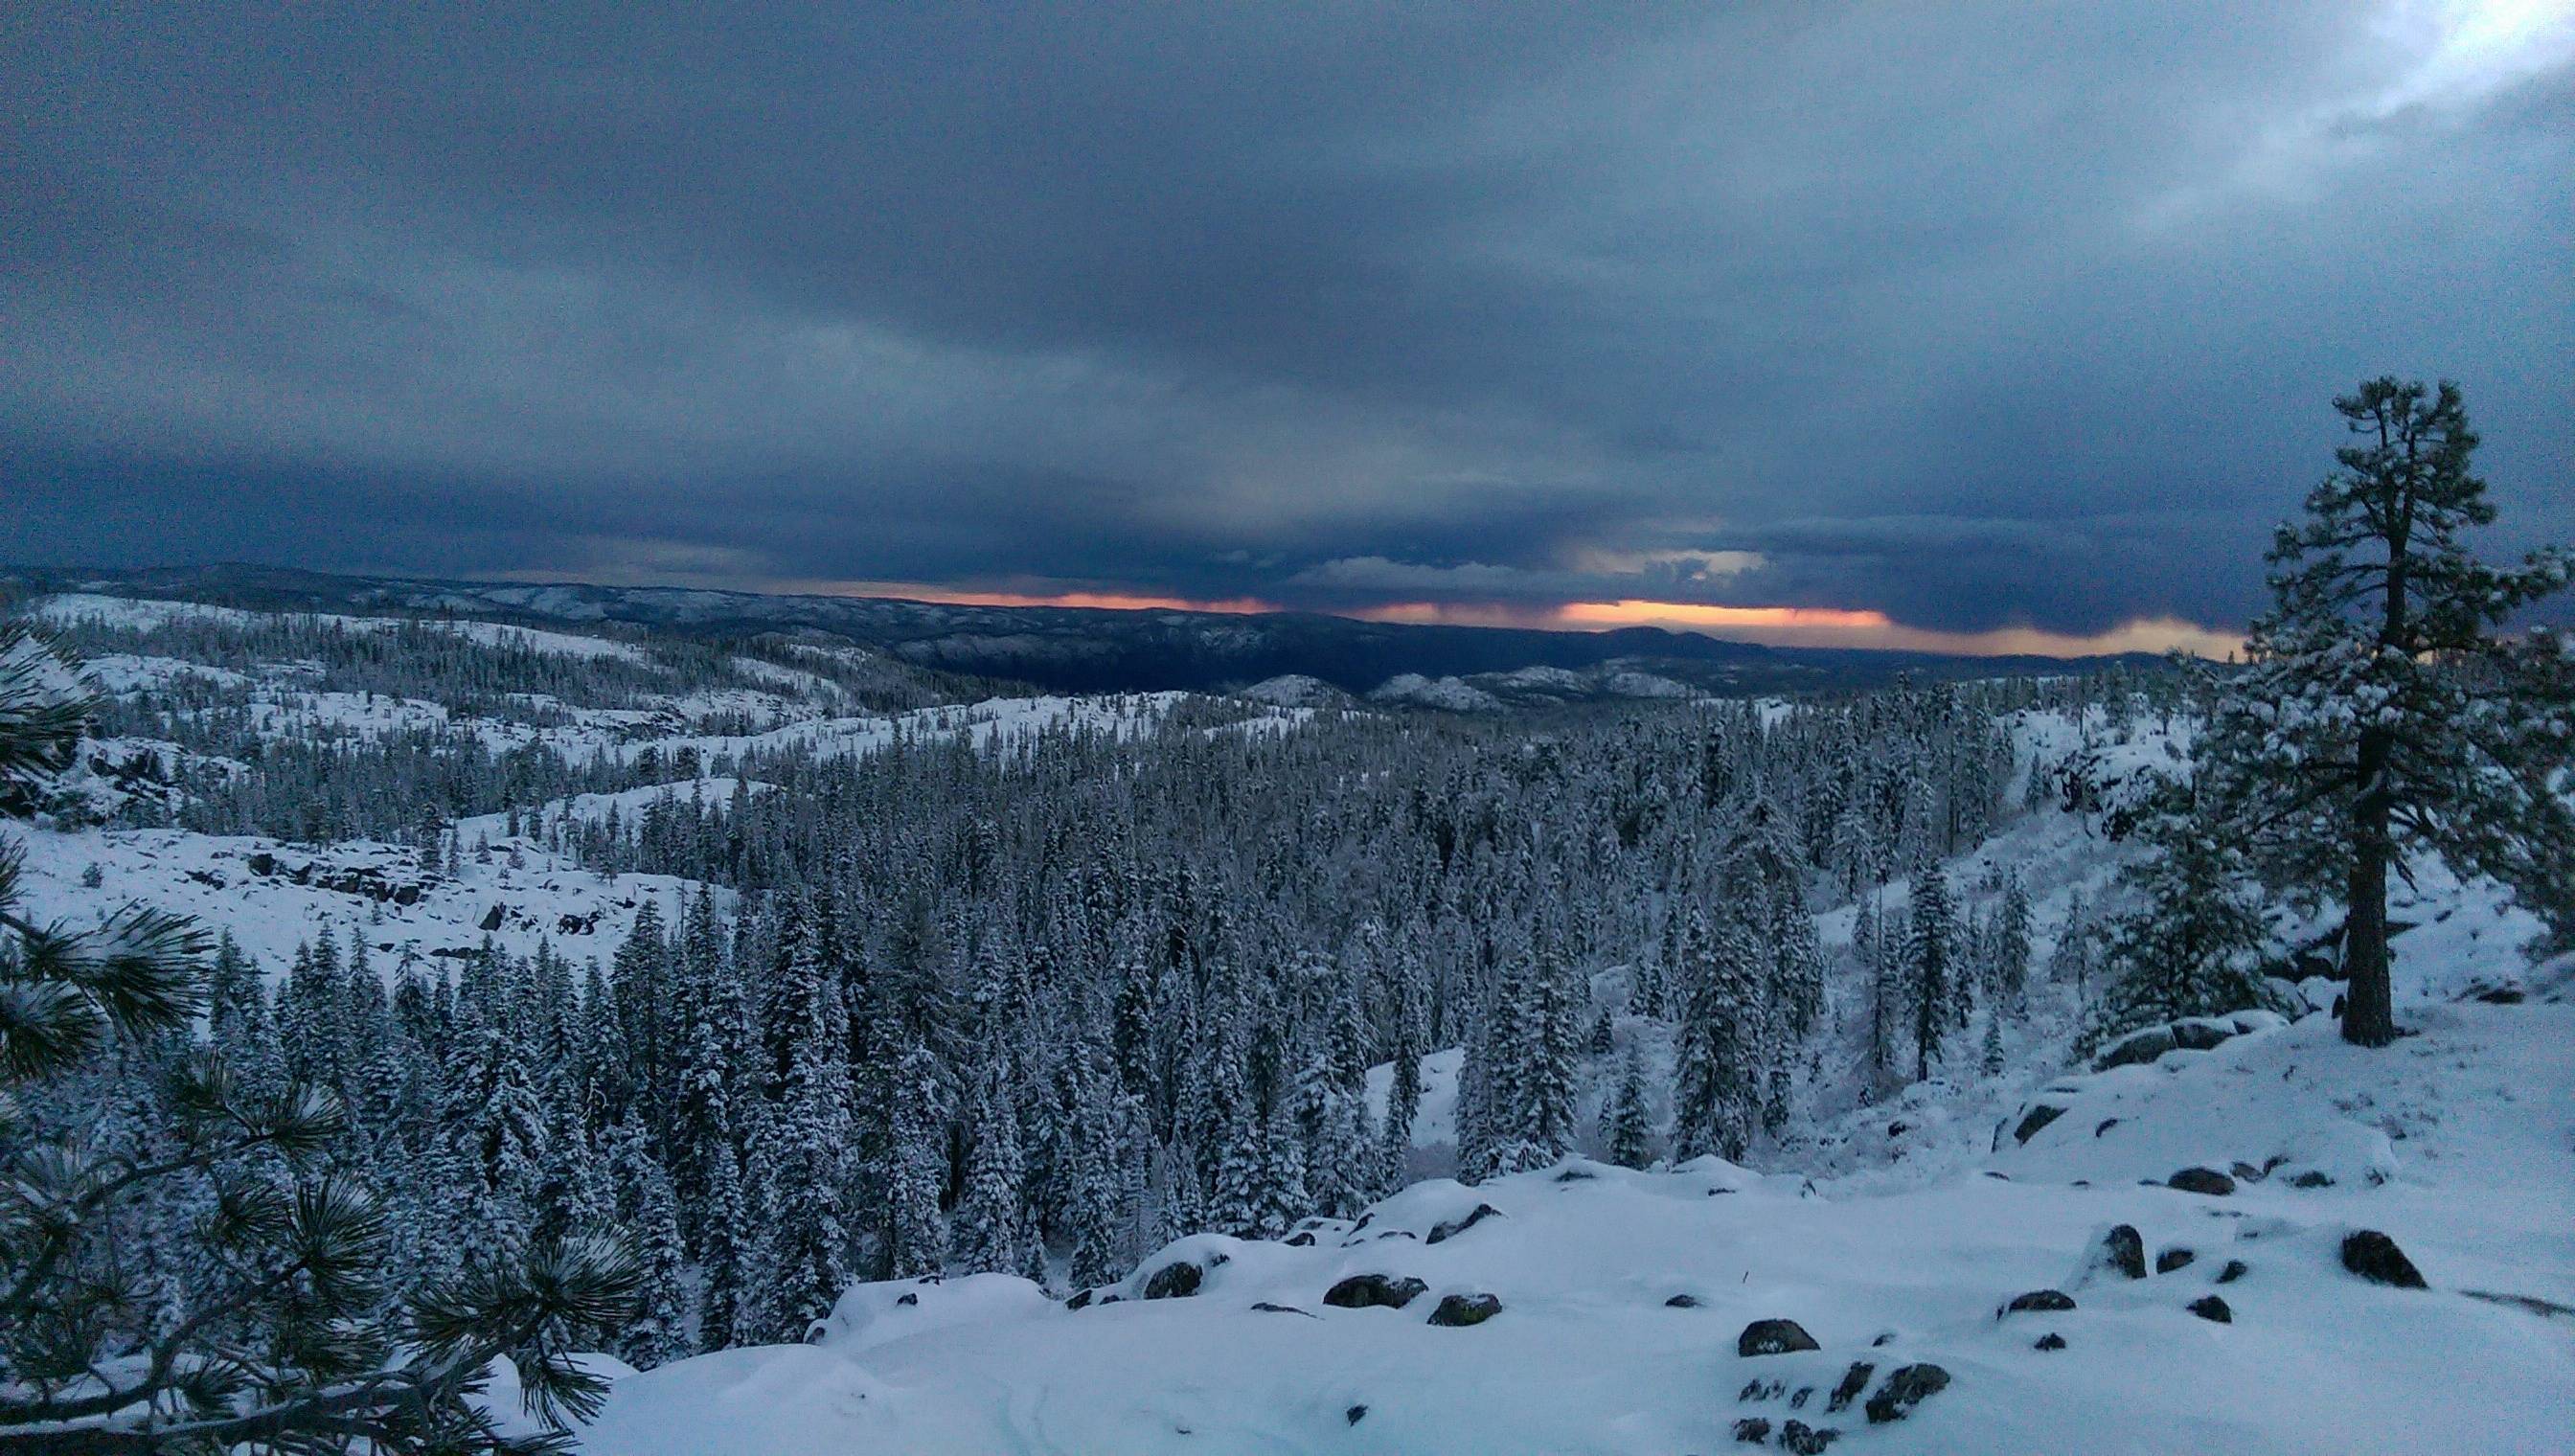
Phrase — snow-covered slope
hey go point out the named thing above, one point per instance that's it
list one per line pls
(1892, 1233)
(1623, 1296)
(273, 896)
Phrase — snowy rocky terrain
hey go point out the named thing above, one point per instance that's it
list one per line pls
(2251, 1236)
(2152, 1318)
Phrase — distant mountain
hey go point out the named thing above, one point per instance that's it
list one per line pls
(1090, 650)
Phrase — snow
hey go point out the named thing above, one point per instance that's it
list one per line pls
(537, 821)
(1435, 1122)
(1632, 683)
(133, 673)
(141, 614)
(1911, 1221)
(1450, 694)
(1010, 721)
(216, 880)
(1294, 690)
(1588, 1356)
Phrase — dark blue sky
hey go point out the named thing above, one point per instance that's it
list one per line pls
(1970, 317)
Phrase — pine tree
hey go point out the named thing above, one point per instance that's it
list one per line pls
(919, 1237)
(2192, 947)
(725, 1254)
(1718, 1059)
(288, 1340)
(805, 1239)
(2011, 943)
(985, 1235)
(659, 1332)
(1626, 1120)
(1929, 963)
(1553, 1038)
(2383, 712)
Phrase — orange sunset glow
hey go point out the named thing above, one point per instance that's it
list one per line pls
(1796, 626)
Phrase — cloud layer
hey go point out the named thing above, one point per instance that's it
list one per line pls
(1966, 318)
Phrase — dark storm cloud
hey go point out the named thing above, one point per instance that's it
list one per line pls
(2020, 315)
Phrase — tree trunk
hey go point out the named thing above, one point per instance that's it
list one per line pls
(2369, 1012)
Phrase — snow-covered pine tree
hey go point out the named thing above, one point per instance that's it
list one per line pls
(918, 1234)
(1928, 962)
(804, 1244)
(659, 1332)
(984, 1236)
(289, 1338)
(2384, 711)
(726, 1253)
(1627, 1119)
(2009, 948)
(1718, 1094)
(2192, 947)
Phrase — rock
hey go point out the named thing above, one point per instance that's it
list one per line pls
(1759, 1389)
(2245, 1173)
(1296, 1241)
(1374, 1291)
(1177, 1280)
(1079, 1301)
(2311, 1178)
(1799, 1402)
(2173, 1258)
(2137, 1047)
(1266, 1307)
(1800, 1439)
(1854, 1381)
(1442, 1232)
(1456, 1311)
(1751, 1431)
(2106, 1126)
(1355, 1414)
(2202, 1180)
(1773, 1337)
(1909, 1387)
(2122, 1250)
(1681, 1301)
(2033, 1120)
(907, 1298)
(2049, 1341)
(1884, 1338)
(2235, 1270)
(1576, 1175)
(2036, 1299)
(2211, 1308)
(492, 918)
(2376, 1257)
(2199, 1033)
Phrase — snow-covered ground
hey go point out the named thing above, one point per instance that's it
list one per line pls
(274, 897)
(1590, 1352)
(1891, 1233)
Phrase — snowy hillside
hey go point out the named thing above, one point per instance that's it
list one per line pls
(1623, 1296)
(218, 688)
(1001, 994)
(273, 896)
(1891, 1233)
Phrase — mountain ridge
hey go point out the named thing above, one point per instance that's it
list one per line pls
(1092, 649)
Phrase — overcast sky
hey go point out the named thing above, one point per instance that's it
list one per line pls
(1920, 318)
